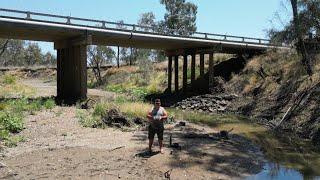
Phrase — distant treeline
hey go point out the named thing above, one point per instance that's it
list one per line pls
(180, 18)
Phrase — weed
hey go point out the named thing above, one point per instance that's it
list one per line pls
(11, 122)
(88, 120)
(9, 79)
(49, 104)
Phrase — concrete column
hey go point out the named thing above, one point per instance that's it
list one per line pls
(211, 71)
(193, 69)
(185, 73)
(201, 65)
(176, 73)
(169, 74)
(72, 73)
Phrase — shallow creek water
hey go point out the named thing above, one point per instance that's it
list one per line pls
(287, 157)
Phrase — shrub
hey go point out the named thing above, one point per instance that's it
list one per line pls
(11, 122)
(9, 79)
(49, 104)
(87, 120)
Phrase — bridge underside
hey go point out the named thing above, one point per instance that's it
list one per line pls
(70, 41)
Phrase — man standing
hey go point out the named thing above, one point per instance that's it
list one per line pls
(156, 118)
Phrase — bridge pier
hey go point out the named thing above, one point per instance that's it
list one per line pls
(176, 73)
(71, 71)
(174, 57)
(193, 69)
(211, 71)
(201, 64)
(185, 73)
(170, 74)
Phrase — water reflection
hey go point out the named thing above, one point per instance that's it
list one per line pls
(275, 171)
(287, 157)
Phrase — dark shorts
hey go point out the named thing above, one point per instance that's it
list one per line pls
(152, 131)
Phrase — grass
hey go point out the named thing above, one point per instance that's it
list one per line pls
(10, 88)
(12, 117)
(8, 79)
(140, 109)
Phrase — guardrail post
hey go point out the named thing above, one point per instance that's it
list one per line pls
(206, 35)
(225, 37)
(259, 41)
(28, 15)
(134, 27)
(103, 24)
(243, 39)
(68, 20)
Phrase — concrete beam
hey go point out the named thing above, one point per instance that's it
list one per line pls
(76, 41)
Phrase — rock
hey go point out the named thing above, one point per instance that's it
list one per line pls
(114, 118)
(138, 121)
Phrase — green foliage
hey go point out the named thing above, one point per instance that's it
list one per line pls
(12, 113)
(99, 110)
(137, 92)
(12, 141)
(11, 122)
(180, 17)
(309, 17)
(9, 79)
(49, 104)
(89, 120)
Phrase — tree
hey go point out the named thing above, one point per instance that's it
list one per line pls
(307, 12)
(33, 54)
(48, 59)
(298, 34)
(12, 52)
(3, 45)
(97, 55)
(148, 20)
(305, 22)
(180, 17)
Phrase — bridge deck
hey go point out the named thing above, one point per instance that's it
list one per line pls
(53, 28)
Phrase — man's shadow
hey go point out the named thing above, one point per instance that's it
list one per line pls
(147, 154)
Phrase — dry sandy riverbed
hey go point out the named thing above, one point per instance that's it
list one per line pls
(57, 147)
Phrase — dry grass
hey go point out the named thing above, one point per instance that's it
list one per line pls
(10, 87)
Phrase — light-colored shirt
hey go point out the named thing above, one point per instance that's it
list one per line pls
(157, 114)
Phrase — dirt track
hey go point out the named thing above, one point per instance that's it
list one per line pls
(58, 147)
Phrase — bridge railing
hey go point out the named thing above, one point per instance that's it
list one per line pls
(70, 20)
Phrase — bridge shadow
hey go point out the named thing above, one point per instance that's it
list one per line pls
(223, 70)
(193, 148)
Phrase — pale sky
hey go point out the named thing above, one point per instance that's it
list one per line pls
(232, 17)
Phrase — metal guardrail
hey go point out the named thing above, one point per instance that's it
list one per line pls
(69, 20)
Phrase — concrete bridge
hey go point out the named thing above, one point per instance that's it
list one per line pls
(71, 35)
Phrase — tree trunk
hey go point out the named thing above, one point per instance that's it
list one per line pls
(3, 48)
(300, 46)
